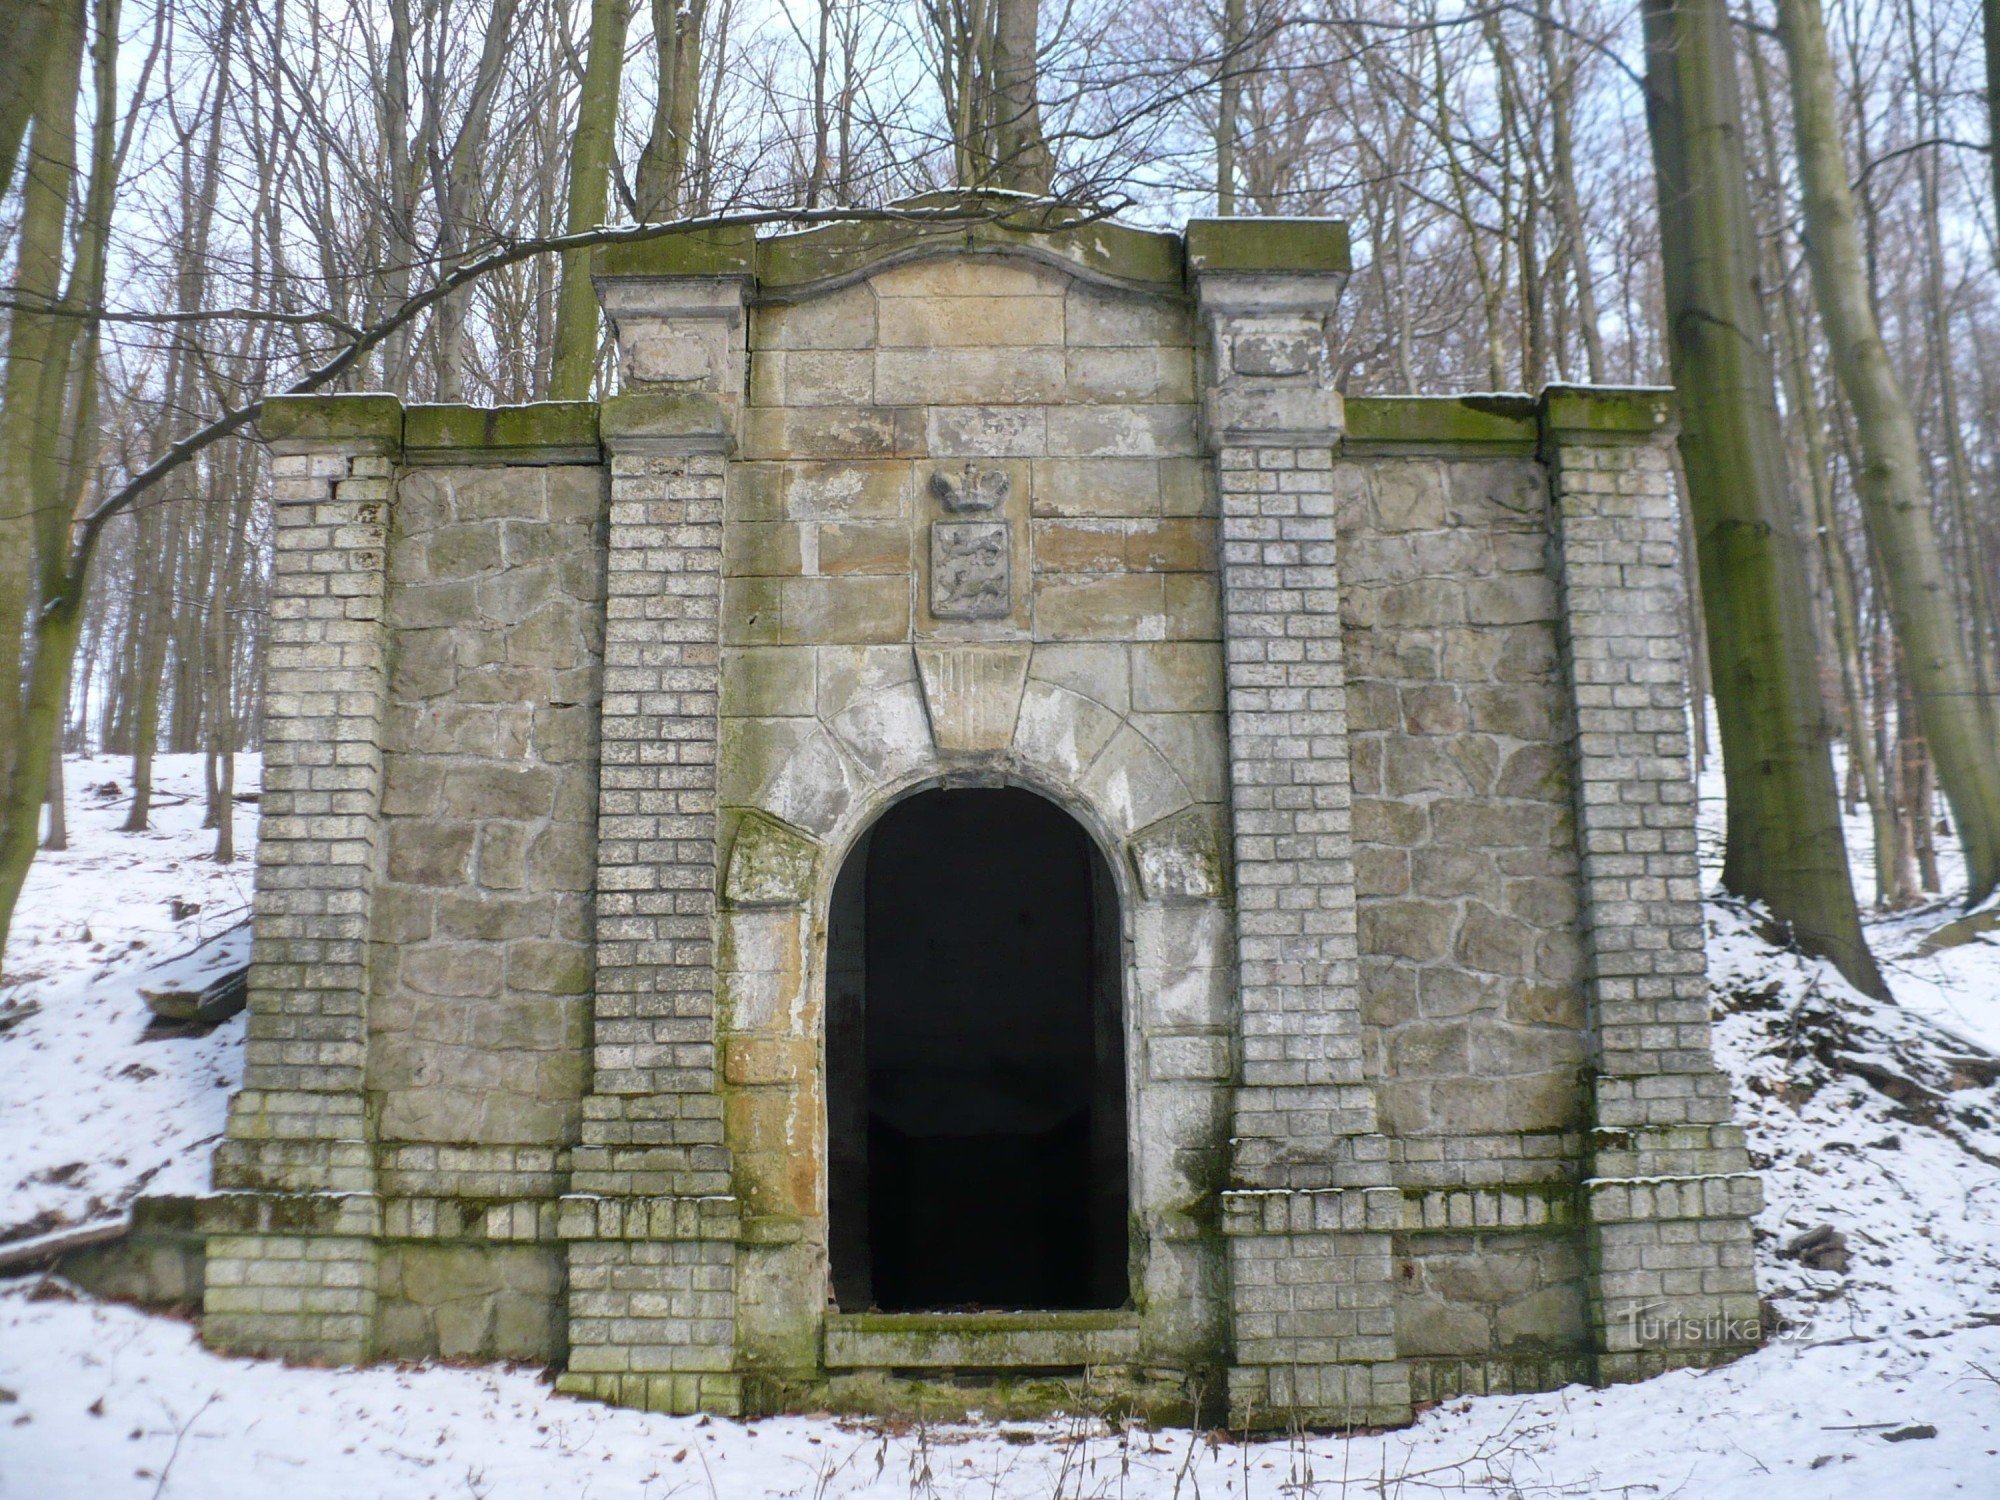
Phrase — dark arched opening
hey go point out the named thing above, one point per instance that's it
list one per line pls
(975, 1061)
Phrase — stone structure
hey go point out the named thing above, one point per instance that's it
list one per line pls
(586, 726)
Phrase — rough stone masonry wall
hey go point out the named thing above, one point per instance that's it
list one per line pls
(480, 1014)
(1466, 877)
(479, 1018)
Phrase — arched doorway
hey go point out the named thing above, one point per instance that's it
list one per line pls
(976, 1061)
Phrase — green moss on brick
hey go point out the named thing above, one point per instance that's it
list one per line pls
(659, 415)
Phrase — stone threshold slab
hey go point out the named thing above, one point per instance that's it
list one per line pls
(980, 1341)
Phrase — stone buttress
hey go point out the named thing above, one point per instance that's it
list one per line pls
(1373, 712)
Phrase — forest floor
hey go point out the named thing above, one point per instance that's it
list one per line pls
(1881, 1121)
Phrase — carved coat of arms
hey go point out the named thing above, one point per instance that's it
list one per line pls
(970, 577)
(969, 570)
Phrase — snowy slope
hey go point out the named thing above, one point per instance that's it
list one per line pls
(90, 1113)
(1872, 1119)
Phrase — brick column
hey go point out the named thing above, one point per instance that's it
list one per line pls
(299, 1124)
(650, 1218)
(653, 1122)
(1669, 1195)
(1309, 1213)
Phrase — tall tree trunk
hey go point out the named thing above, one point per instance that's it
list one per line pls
(574, 364)
(1784, 842)
(1864, 774)
(56, 797)
(1991, 12)
(705, 143)
(29, 32)
(150, 648)
(194, 603)
(662, 166)
(1922, 771)
(1491, 293)
(1839, 570)
(1568, 202)
(820, 166)
(56, 634)
(1971, 575)
(225, 804)
(32, 446)
(76, 733)
(850, 92)
(399, 253)
(1021, 159)
(1700, 688)
(220, 653)
(461, 183)
(1959, 725)
(1521, 226)
(1229, 96)
(32, 386)
(1895, 861)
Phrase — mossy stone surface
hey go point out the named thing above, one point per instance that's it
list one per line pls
(722, 250)
(502, 434)
(649, 414)
(1271, 246)
(1395, 422)
(1607, 412)
(1156, 1396)
(984, 223)
(1137, 258)
(371, 418)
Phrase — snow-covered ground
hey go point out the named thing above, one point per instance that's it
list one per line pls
(1869, 1118)
(90, 1113)
(1955, 986)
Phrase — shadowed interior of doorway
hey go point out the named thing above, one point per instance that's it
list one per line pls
(975, 1059)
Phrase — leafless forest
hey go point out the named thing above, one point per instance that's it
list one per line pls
(209, 201)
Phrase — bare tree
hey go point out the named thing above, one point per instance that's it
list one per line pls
(662, 173)
(1491, 158)
(1959, 723)
(30, 33)
(1784, 845)
(987, 70)
(573, 363)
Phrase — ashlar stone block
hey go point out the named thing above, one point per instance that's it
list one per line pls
(973, 693)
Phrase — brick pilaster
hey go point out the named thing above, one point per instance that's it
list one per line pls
(1669, 1195)
(652, 1124)
(299, 1125)
(651, 1220)
(1309, 1248)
